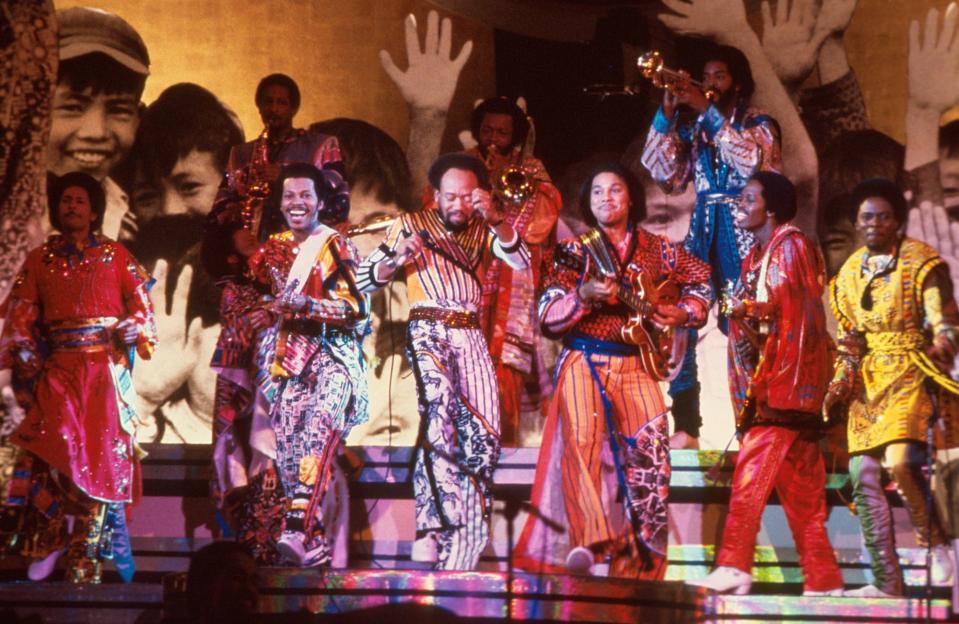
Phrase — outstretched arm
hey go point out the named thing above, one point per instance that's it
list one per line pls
(933, 89)
(427, 85)
(724, 21)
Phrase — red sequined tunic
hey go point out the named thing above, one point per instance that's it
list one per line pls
(59, 330)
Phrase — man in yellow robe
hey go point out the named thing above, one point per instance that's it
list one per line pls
(897, 318)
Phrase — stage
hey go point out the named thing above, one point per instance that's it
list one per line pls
(176, 518)
(473, 596)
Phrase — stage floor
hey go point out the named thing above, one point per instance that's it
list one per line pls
(474, 596)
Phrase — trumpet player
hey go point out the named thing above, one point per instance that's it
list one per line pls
(523, 190)
(256, 164)
(717, 143)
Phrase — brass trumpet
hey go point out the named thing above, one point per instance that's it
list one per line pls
(653, 68)
(513, 184)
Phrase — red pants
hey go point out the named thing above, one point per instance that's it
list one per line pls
(777, 457)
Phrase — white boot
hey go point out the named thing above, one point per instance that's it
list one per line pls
(943, 566)
(291, 548)
(955, 577)
(726, 580)
(426, 549)
(580, 560)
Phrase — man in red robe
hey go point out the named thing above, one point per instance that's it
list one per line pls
(78, 312)
(780, 366)
(508, 309)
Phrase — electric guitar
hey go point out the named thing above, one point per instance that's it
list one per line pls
(661, 348)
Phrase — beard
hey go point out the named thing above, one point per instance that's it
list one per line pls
(726, 98)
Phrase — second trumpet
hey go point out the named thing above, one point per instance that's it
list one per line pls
(653, 68)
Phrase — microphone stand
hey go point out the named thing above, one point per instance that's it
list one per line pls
(932, 389)
(511, 509)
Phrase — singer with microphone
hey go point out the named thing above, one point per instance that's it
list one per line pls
(442, 251)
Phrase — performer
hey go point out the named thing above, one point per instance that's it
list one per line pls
(255, 165)
(245, 480)
(508, 309)
(78, 312)
(897, 324)
(442, 252)
(318, 361)
(718, 148)
(606, 397)
(780, 365)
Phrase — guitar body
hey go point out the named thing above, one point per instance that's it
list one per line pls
(661, 348)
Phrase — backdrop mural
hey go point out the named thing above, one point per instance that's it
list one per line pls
(397, 90)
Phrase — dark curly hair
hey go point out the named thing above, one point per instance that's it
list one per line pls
(98, 200)
(281, 80)
(501, 106)
(637, 197)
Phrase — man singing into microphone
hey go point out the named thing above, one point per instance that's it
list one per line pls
(442, 250)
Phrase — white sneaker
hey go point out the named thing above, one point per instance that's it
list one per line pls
(290, 547)
(834, 593)
(725, 580)
(943, 566)
(426, 549)
(868, 591)
(39, 569)
(579, 560)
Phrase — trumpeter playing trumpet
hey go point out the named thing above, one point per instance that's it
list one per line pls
(718, 143)
(522, 189)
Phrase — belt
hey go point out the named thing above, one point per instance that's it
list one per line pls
(719, 198)
(895, 342)
(85, 335)
(588, 344)
(453, 319)
(310, 327)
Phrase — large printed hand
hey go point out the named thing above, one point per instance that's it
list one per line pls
(179, 345)
(713, 19)
(834, 17)
(932, 225)
(791, 41)
(934, 62)
(430, 80)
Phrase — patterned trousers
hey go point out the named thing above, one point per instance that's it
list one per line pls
(904, 460)
(777, 457)
(306, 442)
(636, 403)
(459, 440)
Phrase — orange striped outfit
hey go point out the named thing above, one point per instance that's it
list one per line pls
(600, 381)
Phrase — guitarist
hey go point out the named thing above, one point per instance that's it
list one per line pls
(604, 393)
(779, 367)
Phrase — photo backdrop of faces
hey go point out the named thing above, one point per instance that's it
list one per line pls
(223, 48)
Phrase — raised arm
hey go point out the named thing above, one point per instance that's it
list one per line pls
(933, 89)
(724, 21)
(427, 86)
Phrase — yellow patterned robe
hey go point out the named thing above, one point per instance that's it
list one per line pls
(911, 302)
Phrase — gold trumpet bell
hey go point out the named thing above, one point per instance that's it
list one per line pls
(514, 184)
(653, 68)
